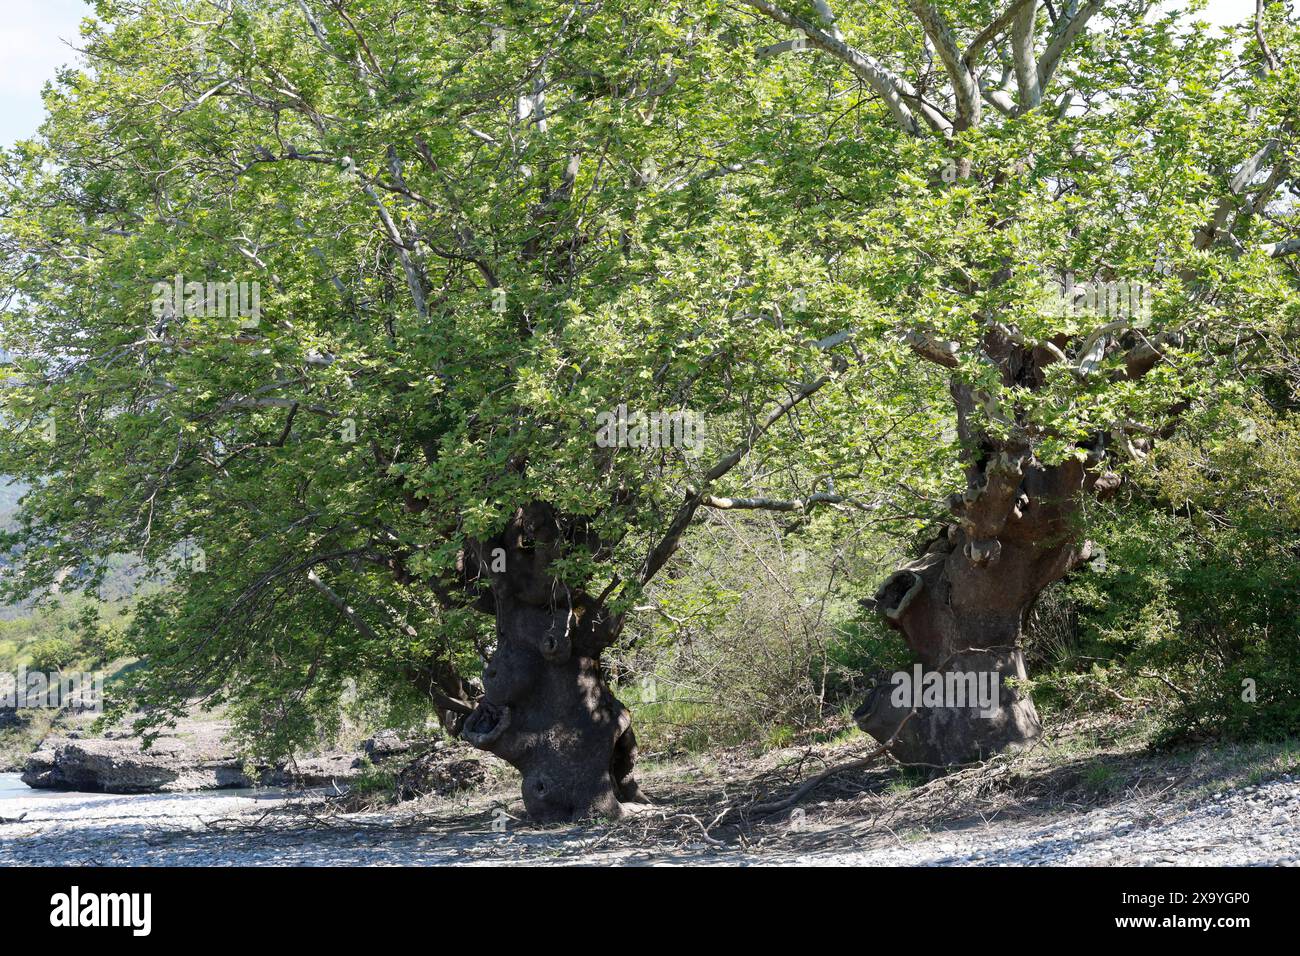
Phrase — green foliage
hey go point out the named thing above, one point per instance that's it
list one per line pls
(372, 782)
(383, 411)
(73, 630)
(760, 643)
(1194, 617)
(52, 654)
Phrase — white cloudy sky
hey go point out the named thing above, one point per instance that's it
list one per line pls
(34, 38)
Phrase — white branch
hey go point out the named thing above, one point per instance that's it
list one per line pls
(828, 19)
(777, 504)
(964, 86)
(890, 88)
(1284, 248)
(1062, 37)
(1022, 55)
(993, 31)
(941, 353)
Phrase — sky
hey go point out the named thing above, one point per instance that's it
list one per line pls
(35, 37)
(32, 47)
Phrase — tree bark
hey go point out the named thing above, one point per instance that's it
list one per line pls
(451, 696)
(962, 606)
(546, 708)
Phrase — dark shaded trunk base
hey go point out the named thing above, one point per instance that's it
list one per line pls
(550, 715)
(572, 742)
(948, 736)
(546, 709)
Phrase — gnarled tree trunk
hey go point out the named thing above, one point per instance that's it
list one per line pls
(546, 708)
(963, 605)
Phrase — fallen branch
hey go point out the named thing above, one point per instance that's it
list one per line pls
(814, 782)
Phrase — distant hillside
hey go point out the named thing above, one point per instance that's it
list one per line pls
(124, 576)
(9, 495)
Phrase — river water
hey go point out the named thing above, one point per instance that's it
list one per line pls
(12, 786)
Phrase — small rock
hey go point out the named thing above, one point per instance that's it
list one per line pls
(386, 743)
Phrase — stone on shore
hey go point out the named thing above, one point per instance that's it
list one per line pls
(193, 756)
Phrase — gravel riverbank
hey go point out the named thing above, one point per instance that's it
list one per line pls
(1256, 824)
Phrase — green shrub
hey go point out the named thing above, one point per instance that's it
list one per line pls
(1194, 615)
(763, 641)
(52, 654)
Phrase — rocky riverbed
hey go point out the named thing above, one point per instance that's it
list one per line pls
(1252, 823)
(1256, 825)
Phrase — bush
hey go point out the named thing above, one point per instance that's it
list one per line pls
(52, 654)
(757, 645)
(1194, 615)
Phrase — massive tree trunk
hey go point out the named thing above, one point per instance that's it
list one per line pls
(546, 708)
(963, 605)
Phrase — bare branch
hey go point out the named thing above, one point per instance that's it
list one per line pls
(994, 30)
(964, 86)
(668, 544)
(812, 783)
(1241, 179)
(998, 98)
(1284, 248)
(777, 504)
(256, 403)
(1144, 356)
(1030, 88)
(941, 353)
(1062, 36)
(1270, 60)
(317, 29)
(413, 280)
(828, 19)
(890, 88)
(355, 619)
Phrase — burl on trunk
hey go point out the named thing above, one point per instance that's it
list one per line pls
(963, 605)
(546, 708)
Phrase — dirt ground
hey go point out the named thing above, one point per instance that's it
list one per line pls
(1089, 794)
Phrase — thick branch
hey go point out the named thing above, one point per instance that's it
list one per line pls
(1144, 356)
(778, 504)
(1030, 91)
(890, 88)
(1284, 248)
(964, 86)
(1241, 180)
(941, 353)
(994, 30)
(828, 18)
(1062, 37)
